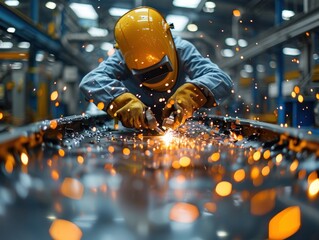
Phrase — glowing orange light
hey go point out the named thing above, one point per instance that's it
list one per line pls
(293, 94)
(285, 223)
(223, 188)
(126, 151)
(254, 173)
(168, 137)
(61, 152)
(236, 13)
(184, 161)
(256, 156)
(312, 176)
(300, 98)
(64, 230)
(54, 95)
(239, 175)
(266, 154)
(72, 188)
(210, 207)
(80, 159)
(263, 202)
(265, 170)
(215, 157)
(175, 164)
(9, 163)
(1, 115)
(296, 89)
(57, 104)
(184, 213)
(279, 158)
(55, 175)
(294, 165)
(313, 188)
(24, 158)
(111, 149)
(53, 124)
(100, 105)
(317, 96)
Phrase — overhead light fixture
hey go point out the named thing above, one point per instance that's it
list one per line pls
(97, 32)
(242, 43)
(192, 27)
(12, 3)
(291, 51)
(230, 41)
(227, 53)
(24, 45)
(50, 5)
(179, 22)
(11, 30)
(248, 68)
(260, 68)
(209, 7)
(117, 12)
(6, 45)
(287, 14)
(186, 4)
(85, 11)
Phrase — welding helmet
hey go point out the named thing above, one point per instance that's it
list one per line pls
(146, 43)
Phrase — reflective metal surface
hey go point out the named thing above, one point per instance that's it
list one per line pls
(79, 178)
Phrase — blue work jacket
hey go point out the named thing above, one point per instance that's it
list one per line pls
(113, 78)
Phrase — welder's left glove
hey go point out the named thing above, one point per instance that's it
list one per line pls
(183, 103)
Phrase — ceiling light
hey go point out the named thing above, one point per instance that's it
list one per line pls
(236, 13)
(227, 53)
(11, 30)
(242, 43)
(117, 12)
(192, 27)
(186, 4)
(39, 56)
(287, 14)
(209, 7)
(272, 64)
(50, 5)
(291, 51)
(179, 21)
(85, 11)
(106, 46)
(97, 32)
(6, 45)
(12, 3)
(24, 45)
(231, 41)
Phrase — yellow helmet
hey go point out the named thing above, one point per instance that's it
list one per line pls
(147, 45)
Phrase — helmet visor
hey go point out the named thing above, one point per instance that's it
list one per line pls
(155, 73)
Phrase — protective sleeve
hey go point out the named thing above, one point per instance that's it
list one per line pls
(214, 83)
(104, 83)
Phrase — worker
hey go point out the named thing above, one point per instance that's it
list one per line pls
(151, 69)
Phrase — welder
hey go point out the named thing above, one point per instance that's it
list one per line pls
(152, 70)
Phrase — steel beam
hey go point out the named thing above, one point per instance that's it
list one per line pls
(274, 37)
(28, 31)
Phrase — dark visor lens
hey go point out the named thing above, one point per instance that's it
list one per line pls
(154, 73)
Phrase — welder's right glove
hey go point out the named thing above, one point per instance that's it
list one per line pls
(183, 103)
(129, 110)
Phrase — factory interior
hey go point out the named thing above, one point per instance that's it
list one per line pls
(245, 169)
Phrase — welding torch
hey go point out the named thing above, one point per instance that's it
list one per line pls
(151, 121)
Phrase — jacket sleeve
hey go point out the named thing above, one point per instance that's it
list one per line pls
(104, 83)
(214, 83)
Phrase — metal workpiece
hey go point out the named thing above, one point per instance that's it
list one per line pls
(216, 178)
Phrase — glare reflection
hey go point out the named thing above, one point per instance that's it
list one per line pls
(184, 212)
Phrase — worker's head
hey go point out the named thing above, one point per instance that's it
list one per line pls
(145, 40)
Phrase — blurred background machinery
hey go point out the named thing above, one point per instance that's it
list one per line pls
(270, 49)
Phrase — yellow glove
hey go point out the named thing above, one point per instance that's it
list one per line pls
(183, 103)
(129, 110)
